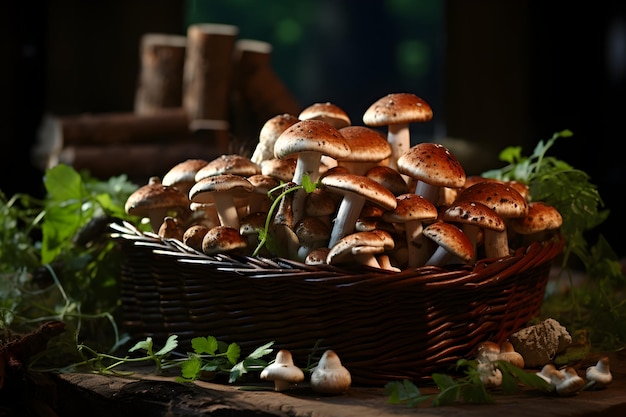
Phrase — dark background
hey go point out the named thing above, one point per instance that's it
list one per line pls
(496, 73)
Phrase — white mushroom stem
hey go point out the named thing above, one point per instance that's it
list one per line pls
(428, 191)
(441, 256)
(399, 137)
(226, 210)
(496, 243)
(416, 244)
(308, 164)
(347, 214)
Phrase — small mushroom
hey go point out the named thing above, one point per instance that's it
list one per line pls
(282, 371)
(508, 354)
(599, 375)
(570, 384)
(490, 375)
(452, 244)
(330, 376)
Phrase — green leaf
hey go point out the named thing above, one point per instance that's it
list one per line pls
(142, 345)
(202, 345)
(170, 344)
(261, 351)
(233, 353)
(191, 368)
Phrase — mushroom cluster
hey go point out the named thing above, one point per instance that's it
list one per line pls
(379, 202)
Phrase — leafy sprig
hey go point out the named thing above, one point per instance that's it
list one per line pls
(209, 357)
(467, 389)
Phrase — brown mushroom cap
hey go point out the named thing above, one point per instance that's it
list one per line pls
(368, 148)
(451, 241)
(389, 178)
(397, 108)
(503, 199)
(356, 190)
(433, 166)
(221, 239)
(270, 131)
(183, 174)
(328, 112)
(228, 164)
(397, 111)
(540, 217)
(155, 201)
(221, 190)
(193, 236)
(309, 140)
(359, 248)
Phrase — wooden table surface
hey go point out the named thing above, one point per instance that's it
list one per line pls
(145, 394)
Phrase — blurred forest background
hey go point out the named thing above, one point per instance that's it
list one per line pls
(496, 73)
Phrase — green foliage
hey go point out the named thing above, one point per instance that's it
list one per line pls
(465, 389)
(209, 357)
(57, 261)
(598, 304)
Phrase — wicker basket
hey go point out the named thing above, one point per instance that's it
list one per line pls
(384, 326)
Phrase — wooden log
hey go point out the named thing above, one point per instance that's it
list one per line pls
(258, 94)
(122, 127)
(160, 83)
(208, 71)
(138, 161)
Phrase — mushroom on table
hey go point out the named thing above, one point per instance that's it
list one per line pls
(282, 371)
(330, 376)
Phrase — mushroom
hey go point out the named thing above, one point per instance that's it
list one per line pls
(368, 148)
(506, 201)
(550, 374)
(388, 177)
(433, 166)
(282, 371)
(312, 233)
(171, 229)
(452, 244)
(570, 384)
(330, 376)
(221, 190)
(260, 199)
(539, 223)
(194, 235)
(355, 190)
(360, 248)
(473, 217)
(221, 239)
(397, 111)
(155, 201)
(327, 112)
(270, 131)
(228, 164)
(508, 354)
(281, 169)
(309, 140)
(487, 351)
(411, 211)
(183, 174)
(599, 375)
(489, 373)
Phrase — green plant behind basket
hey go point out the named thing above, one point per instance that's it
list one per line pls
(570, 191)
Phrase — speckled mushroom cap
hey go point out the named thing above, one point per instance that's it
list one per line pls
(281, 169)
(270, 131)
(503, 199)
(154, 200)
(328, 112)
(311, 136)
(183, 174)
(411, 207)
(540, 217)
(228, 164)
(388, 177)
(221, 239)
(433, 164)
(366, 144)
(204, 190)
(346, 249)
(451, 238)
(473, 213)
(396, 108)
(358, 184)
